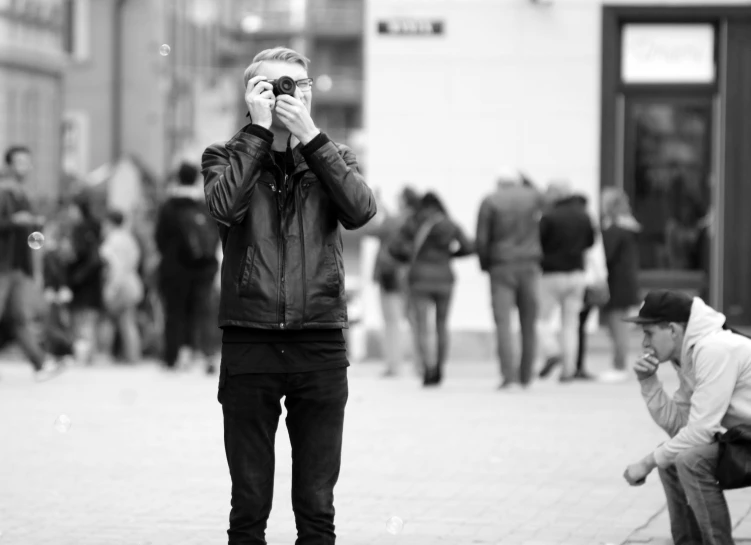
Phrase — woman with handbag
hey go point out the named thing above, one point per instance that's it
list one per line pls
(428, 242)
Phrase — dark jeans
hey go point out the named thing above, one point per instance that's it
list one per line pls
(429, 326)
(188, 316)
(515, 285)
(315, 403)
(18, 309)
(696, 504)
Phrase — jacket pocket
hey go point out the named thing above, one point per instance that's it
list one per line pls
(332, 269)
(245, 279)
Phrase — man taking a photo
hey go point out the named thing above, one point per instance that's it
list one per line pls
(279, 189)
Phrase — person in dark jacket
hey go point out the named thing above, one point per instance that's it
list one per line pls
(428, 242)
(508, 246)
(186, 278)
(619, 233)
(85, 275)
(280, 188)
(18, 292)
(566, 232)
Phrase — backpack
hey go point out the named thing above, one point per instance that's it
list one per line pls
(199, 236)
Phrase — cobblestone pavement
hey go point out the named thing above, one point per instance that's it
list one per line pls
(143, 461)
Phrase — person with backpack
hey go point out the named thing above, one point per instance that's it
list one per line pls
(187, 238)
(428, 242)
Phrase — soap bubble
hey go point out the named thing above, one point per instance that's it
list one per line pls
(36, 240)
(164, 50)
(394, 525)
(62, 423)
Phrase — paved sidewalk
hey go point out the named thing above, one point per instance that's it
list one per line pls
(143, 462)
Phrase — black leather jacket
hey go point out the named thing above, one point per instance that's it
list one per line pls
(283, 265)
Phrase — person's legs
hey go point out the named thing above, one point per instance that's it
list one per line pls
(571, 305)
(550, 287)
(21, 312)
(683, 525)
(176, 296)
(619, 333)
(315, 405)
(251, 408)
(131, 337)
(442, 307)
(503, 294)
(527, 302)
(391, 309)
(421, 305)
(696, 468)
(582, 350)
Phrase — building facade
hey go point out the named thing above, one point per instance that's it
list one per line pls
(649, 96)
(144, 81)
(32, 64)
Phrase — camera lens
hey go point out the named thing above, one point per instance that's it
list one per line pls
(286, 85)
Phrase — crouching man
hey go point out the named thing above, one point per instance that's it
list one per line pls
(714, 370)
(279, 190)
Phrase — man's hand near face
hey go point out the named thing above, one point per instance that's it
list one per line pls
(260, 99)
(646, 366)
(296, 117)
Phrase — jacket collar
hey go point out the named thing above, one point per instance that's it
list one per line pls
(297, 157)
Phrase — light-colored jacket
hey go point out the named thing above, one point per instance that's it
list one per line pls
(123, 287)
(715, 386)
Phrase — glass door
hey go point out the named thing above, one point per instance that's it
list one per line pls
(667, 170)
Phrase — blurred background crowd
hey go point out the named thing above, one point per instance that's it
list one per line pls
(628, 112)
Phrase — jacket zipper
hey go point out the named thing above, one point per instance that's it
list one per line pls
(283, 287)
(298, 194)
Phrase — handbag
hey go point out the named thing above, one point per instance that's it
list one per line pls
(734, 462)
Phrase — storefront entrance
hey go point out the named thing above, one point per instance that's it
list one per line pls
(670, 104)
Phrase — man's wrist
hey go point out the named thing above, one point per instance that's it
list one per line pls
(306, 138)
(649, 461)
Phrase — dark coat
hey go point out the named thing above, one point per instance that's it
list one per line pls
(167, 231)
(283, 258)
(85, 272)
(430, 269)
(566, 232)
(622, 256)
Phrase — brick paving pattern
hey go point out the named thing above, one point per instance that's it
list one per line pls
(143, 462)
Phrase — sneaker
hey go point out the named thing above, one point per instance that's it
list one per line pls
(613, 377)
(50, 369)
(550, 364)
(509, 385)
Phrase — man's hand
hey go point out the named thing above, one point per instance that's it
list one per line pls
(260, 100)
(646, 366)
(636, 474)
(296, 117)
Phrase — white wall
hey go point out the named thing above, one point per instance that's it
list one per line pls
(509, 82)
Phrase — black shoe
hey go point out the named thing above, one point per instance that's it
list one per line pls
(549, 366)
(566, 378)
(211, 369)
(583, 375)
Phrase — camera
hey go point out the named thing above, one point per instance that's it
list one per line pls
(284, 86)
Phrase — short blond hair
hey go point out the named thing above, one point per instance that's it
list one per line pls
(277, 54)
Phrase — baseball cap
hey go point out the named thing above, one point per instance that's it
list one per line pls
(663, 306)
